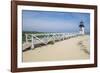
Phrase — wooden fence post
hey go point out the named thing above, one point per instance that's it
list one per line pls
(53, 38)
(32, 42)
(26, 37)
(63, 36)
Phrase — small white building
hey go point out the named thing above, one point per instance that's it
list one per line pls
(81, 28)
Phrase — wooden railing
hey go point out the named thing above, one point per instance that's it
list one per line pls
(45, 38)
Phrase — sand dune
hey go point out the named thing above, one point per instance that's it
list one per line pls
(69, 49)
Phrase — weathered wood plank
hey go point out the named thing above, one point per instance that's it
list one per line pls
(26, 45)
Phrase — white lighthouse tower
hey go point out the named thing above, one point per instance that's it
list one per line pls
(81, 28)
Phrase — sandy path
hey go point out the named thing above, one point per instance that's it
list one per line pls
(69, 49)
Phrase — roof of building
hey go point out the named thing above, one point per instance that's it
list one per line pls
(81, 24)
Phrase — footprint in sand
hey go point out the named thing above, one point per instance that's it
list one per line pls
(83, 47)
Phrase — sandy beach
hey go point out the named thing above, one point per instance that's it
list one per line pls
(70, 49)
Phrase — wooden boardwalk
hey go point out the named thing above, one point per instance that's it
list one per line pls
(36, 39)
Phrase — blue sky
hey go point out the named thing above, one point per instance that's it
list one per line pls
(51, 21)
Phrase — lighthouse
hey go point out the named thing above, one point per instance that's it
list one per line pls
(81, 28)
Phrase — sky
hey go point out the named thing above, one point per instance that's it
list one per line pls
(52, 21)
